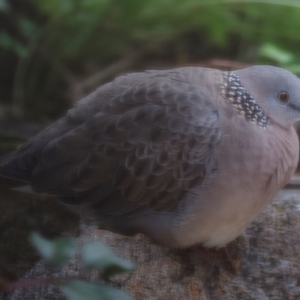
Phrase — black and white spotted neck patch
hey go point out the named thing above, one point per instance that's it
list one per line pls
(233, 91)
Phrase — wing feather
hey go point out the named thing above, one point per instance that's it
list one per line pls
(140, 141)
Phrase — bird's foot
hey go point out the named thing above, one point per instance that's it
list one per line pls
(213, 259)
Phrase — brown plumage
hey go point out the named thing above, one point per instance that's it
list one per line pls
(171, 154)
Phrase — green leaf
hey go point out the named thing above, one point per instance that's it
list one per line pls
(82, 290)
(96, 255)
(56, 252)
(276, 54)
(28, 26)
(8, 42)
(5, 40)
(3, 5)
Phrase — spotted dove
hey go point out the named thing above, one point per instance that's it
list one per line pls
(186, 156)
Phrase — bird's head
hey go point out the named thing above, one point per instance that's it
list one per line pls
(269, 94)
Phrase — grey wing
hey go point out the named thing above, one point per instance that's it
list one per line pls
(146, 146)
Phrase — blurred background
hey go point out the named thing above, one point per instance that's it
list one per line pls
(54, 52)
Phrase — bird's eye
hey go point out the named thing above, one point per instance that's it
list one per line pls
(283, 97)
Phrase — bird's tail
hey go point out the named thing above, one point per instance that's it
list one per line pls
(15, 171)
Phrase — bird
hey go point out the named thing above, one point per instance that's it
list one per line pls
(187, 156)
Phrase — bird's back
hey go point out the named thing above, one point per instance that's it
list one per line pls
(137, 143)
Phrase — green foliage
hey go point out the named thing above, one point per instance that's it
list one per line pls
(280, 57)
(67, 37)
(56, 252)
(114, 27)
(3, 5)
(8, 42)
(276, 54)
(95, 255)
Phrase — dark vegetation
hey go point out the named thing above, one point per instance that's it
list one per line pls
(54, 52)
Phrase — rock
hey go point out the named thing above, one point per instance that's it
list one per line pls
(264, 263)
